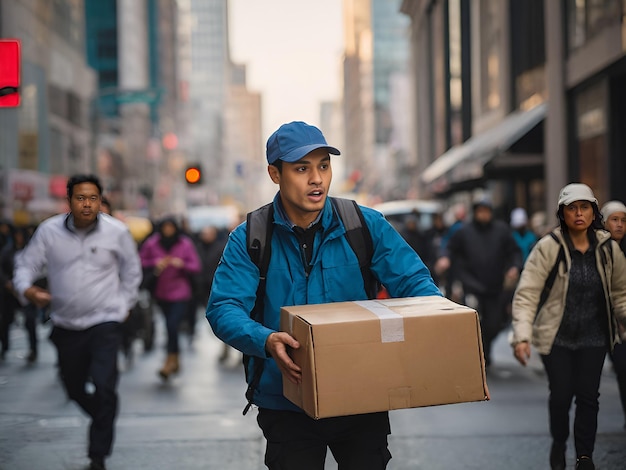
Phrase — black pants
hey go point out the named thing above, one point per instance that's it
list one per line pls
(174, 312)
(298, 442)
(31, 315)
(574, 373)
(92, 354)
(491, 312)
(618, 356)
(6, 319)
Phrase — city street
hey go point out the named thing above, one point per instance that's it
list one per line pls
(195, 421)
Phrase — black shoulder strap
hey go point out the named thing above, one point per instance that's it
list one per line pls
(360, 240)
(553, 272)
(259, 228)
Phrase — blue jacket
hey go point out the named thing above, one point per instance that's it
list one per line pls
(335, 277)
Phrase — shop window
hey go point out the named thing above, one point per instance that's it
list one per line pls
(491, 37)
(587, 18)
(591, 134)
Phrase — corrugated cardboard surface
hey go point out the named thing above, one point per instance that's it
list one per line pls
(378, 355)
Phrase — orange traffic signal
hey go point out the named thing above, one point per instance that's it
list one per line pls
(193, 175)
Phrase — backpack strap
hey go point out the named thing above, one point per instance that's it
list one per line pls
(552, 275)
(360, 240)
(259, 228)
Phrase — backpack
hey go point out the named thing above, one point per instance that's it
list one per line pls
(259, 231)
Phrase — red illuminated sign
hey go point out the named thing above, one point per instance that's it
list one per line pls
(9, 73)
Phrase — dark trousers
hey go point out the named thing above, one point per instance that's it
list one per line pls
(92, 354)
(31, 314)
(6, 318)
(574, 373)
(191, 316)
(618, 356)
(174, 312)
(491, 312)
(296, 441)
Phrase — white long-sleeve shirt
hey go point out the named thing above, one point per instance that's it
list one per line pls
(93, 275)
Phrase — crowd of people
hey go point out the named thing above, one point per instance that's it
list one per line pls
(12, 242)
(560, 290)
(44, 273)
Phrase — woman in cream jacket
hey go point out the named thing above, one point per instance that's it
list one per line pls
(577, 323)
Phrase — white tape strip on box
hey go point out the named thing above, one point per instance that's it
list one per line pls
(391, 323)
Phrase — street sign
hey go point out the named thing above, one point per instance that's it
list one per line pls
(9, 73)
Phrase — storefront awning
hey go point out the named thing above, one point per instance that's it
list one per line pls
(466, 161)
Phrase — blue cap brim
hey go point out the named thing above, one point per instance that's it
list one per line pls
(301, 152)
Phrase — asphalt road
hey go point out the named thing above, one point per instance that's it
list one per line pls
(195, 421)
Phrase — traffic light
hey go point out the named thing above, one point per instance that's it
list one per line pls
(193, 175)
(9, 73)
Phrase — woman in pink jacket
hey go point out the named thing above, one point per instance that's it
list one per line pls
(171, 256)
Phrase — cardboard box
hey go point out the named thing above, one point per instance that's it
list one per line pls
(378, 355)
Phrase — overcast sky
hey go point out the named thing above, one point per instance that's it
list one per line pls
(293, 51)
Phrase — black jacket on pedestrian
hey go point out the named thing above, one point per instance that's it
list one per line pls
(209, 254)
(481, 254)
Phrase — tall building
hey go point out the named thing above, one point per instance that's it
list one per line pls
(132, 45)
(49, 135)
(375, 68)
(243, 143)
(210, 69)
(331, 122)
(519, 97)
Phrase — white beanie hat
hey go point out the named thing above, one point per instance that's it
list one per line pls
(519, 218)
(576, 192)
(612, 207)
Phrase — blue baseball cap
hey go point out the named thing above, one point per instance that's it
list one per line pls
(294, 140)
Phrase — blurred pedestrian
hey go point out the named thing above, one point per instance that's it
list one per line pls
(614, 216)
(523, 235)
(93, 275)
(539, 224)
(6, 233)
(451, 286)
(172, 258)
(573, 323)
(435, 235)
(418, 239)
(484, 258)
(9, 302)
(210, 245)
(105, 206)
(459, 214)
(311, 262)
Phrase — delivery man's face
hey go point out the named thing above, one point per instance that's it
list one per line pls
(304, 186)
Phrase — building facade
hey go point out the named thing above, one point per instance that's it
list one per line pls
(208, 89)
(137, 113)
(377, 148)
(243, 143)
(518, 98)
(49, 135)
